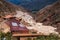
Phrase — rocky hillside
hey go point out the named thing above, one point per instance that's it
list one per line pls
(8, 8)
(20, 13)
(32, 5)
(50, 15)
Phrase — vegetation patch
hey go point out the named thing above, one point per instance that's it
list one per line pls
(4, 36)
(8, 36)
(50, 37)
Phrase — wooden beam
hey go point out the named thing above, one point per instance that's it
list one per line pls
(27, 35)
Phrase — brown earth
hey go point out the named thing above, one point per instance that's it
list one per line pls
(50, 15)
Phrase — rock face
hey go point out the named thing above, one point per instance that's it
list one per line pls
(50, 15)
(4, 27)
(8, 8)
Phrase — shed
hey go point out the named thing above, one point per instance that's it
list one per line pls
(16, 26)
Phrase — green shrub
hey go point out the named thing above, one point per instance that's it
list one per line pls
(50, 37)
(7, 36)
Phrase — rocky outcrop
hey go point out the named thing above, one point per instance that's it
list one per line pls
(4, 27)
(50, 15)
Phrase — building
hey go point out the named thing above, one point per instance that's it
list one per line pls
(16, 26)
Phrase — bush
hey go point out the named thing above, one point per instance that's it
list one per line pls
(50, 37)
(7, 36)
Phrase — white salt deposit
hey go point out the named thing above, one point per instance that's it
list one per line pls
(36, 26)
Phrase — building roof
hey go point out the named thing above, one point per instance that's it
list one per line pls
(16, 26)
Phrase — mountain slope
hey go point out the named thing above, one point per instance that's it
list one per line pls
(32, 5)
(9, 9)
(5, 10)
(50, 15)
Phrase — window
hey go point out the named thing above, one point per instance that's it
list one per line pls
(14, 24)
(21, 25)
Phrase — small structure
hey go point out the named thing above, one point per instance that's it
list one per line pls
(18, 30)
(16, 26)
